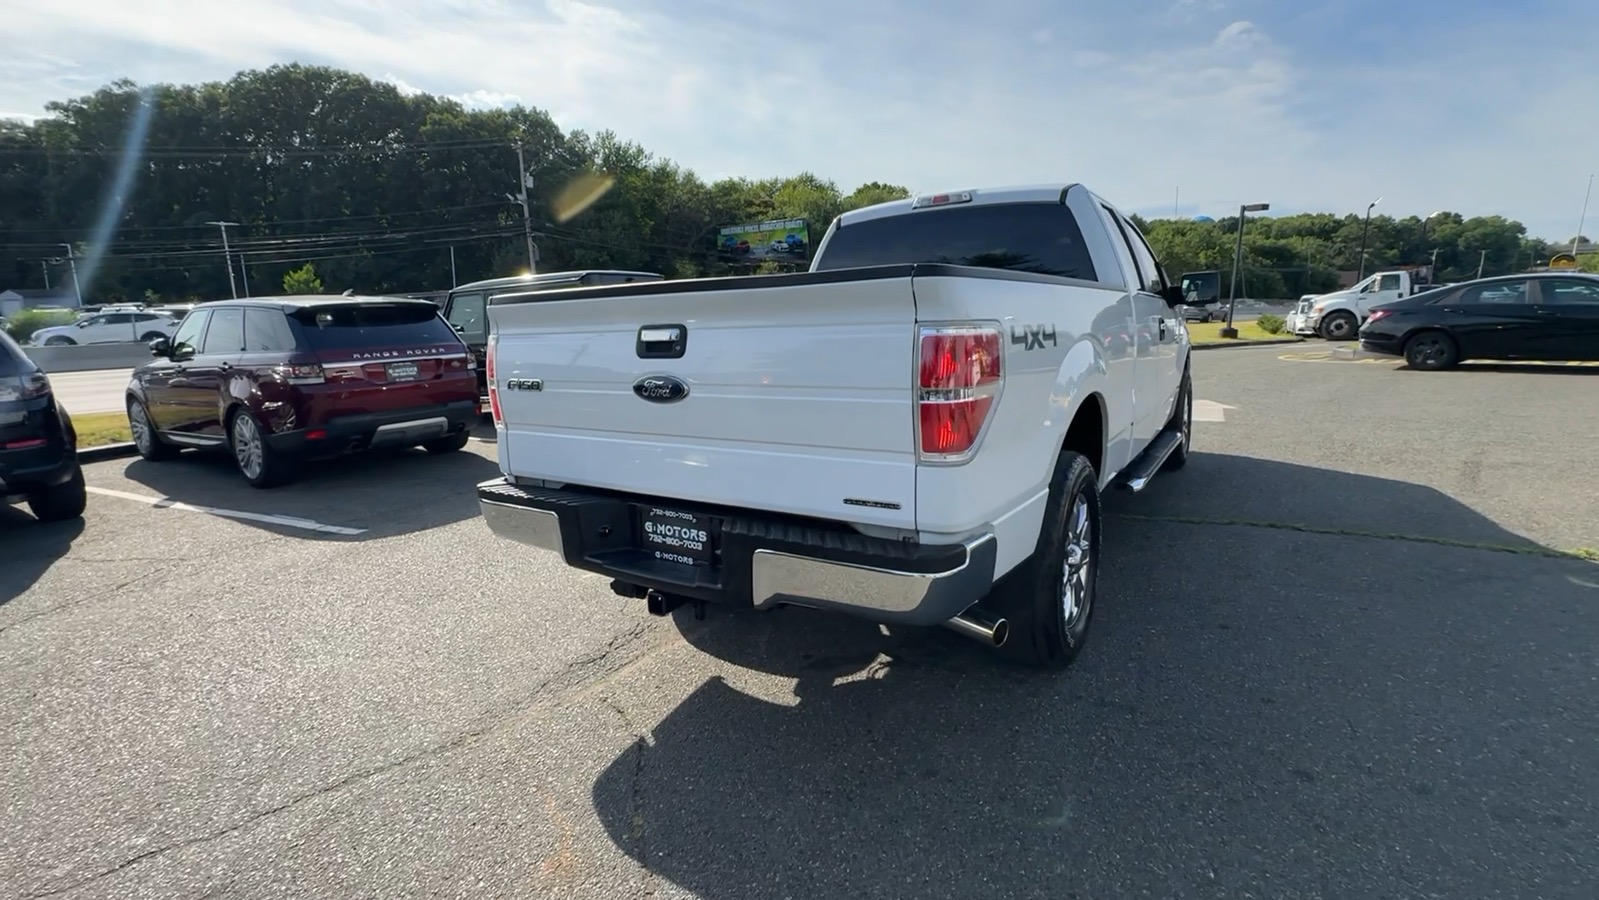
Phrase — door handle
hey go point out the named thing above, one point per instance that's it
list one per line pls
(1163, 329)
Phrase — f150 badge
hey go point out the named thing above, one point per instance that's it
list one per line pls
(524, 384)
(660, 388)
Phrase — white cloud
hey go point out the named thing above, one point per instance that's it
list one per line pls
(925, 95)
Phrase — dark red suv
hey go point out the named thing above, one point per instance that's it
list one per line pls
(285, 379)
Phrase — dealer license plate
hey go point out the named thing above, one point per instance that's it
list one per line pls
(402, 371)
(675, 536)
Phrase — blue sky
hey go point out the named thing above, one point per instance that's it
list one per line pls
(1475, 106)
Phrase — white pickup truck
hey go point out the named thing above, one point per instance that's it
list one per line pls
(1337, 316)
(915, 431)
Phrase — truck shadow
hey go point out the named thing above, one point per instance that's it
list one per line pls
(1236, 726)
(28, 548)
(386, 493)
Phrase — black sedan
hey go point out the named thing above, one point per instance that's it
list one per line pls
(1536, 316)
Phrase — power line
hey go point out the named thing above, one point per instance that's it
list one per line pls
(274, 222)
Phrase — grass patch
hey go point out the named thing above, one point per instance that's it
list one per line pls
(1210, 333)
(99, 429)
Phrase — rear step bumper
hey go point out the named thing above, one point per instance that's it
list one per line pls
(760, 561)
(401, 428)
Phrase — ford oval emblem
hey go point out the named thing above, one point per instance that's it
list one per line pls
(660, 388)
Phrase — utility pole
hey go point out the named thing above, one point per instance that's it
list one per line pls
(228, 255)
(244, 273)
(453, 281)
(525, 181)
(45, 265)
(72, 263)
(1480, 261)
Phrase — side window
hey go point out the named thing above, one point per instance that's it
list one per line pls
(189, 332)
(267, 331)
(1118, 245)
(95, 320)
(1569, 290)
(1502, 292)
(116, 319)
(1142, 273)
(1154, 276)
(467, 313)
(226, 334)
(1389, 282)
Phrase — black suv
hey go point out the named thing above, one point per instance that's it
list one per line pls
(466, 308)
(38, 448)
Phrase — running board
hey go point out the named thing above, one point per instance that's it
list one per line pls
(1142, 471)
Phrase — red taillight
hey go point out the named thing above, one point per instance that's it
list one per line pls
(29, 444)
(300, 374)
(962, 368)
(1376, 314)
(494, 388)
(316, 434)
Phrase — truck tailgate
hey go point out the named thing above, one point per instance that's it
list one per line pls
(799, 395)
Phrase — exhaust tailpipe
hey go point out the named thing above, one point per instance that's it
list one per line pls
(979, 627)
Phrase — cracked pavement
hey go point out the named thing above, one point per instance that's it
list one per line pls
(198, 706)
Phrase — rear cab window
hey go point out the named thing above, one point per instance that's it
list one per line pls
(372, 326)
(1041, 238)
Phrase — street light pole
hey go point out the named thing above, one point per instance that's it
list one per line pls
(227, 255)
(72, 263)
(1363, 232)
(1581, 223)
(1228, 331)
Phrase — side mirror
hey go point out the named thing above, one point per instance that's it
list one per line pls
(1173, 295)
(180, 352)
(82, 324)
(160, 347)
(458, 329)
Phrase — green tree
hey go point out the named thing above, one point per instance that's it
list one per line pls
(303, 280)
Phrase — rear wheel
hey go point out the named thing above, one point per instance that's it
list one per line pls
(62, 502)
(1431, 350)
(447, 444)
(151, 336)
(1049, 599)
(59, 341)
(145, 438)
(1339, 326)
(260, 465)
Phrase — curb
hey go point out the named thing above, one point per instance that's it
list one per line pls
(106, 451)
(1239, 343)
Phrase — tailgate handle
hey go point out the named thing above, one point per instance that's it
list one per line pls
(662, 341)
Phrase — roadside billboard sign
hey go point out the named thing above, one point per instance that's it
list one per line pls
(780, 240)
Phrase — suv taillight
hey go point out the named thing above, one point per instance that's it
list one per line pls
(25, 387)
(494, 388)
(300, 374)
(961, 370)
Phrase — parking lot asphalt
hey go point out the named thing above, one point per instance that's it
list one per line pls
(1335, 656)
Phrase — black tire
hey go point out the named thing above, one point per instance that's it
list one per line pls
(145, 439)
(62, 502)
(260, 465)
(59, 341)
(151, 336)
(1032, 598)
(448, 444)
(1340, 326)
(1182, 418)
(1431, 350)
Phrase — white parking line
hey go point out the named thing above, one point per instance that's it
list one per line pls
(285, 521)
(1210, 411)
